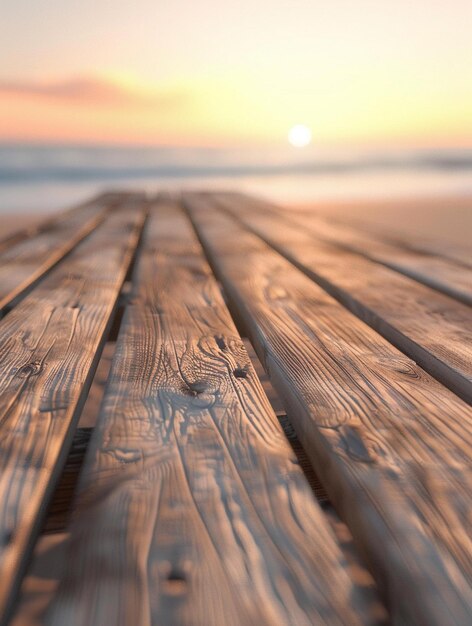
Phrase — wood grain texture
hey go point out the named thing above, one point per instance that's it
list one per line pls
(390, 444)
(41, 225)
(23, 264)
(14, 236)
(50, 346)
(458, 253)
(192, 508)
(449, 277)
(431, 328)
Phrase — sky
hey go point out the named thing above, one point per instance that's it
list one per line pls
(236, 72)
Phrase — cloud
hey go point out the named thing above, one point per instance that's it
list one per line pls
(91, 90)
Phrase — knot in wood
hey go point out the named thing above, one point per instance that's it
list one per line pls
(240, 372)
(29, 369)
(7, 537)
(175, 580)
(198, 387)
(220, 342)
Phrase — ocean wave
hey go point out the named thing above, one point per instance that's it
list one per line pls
(34, 164)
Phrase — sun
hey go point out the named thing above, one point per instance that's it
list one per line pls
(299, 136)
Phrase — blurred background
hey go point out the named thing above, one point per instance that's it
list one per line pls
(352, 107)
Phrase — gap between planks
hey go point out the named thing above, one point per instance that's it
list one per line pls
(429, 327)
(52, 341)
(187, 469)
(371, 420)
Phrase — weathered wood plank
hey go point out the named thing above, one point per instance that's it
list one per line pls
(192, 508)
(15, 236)
(23, 264)
(429, 327)
(50, 346)
(442, 274)
(54, 217)
(42, 225)
(390, 444)
(458, 253)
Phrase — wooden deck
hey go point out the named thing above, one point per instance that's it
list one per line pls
(325, 480)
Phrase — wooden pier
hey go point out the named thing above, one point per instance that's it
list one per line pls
(326, 480)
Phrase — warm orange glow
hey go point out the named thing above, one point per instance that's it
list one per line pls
(225, 74)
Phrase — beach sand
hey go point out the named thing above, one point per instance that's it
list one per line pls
(446, 220)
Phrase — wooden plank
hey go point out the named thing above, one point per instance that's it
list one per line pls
(22, 233)
(192, 508)
(389, 443)
(416, 240)
(14, 236)
(461, 253)
(449, 277)
(429, 327)
(50, 345)
(22, 265)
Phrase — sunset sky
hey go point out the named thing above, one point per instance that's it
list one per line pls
(236, 72)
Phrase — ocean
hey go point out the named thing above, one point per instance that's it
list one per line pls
(44, 178)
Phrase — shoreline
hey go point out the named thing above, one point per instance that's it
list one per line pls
(447, 219)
